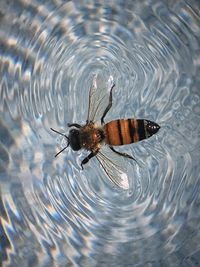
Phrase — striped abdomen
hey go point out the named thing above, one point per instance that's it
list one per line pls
(123, 132)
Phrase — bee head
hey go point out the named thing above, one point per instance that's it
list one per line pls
(74, 139)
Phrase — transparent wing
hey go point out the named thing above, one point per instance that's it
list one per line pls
(98, 97)
(114, 166)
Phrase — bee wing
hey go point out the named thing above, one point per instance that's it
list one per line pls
(98, 98)
(114, 167)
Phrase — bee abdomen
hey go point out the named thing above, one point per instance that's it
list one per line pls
(123, 132)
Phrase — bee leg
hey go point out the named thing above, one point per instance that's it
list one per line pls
(89, 122)
(74, 124)
(109, 105)
(92, 154)
(122, 154)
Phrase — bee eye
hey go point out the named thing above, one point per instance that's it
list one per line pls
(74, 139)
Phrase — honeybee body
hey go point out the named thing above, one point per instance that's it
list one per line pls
(116, 133)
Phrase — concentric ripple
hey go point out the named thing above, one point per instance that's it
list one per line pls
(52, 212)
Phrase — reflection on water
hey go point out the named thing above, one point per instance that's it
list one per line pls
(54, 214)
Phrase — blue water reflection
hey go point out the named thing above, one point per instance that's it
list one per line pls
(52, 212)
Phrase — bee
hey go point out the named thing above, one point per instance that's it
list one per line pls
(92, 136)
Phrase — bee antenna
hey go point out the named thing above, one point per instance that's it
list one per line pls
(60, 133)
(61, 150)
(65, 137)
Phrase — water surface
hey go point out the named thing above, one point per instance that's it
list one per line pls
(52, 212)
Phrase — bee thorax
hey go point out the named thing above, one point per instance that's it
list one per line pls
(92, 138)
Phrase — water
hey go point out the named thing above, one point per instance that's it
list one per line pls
(52, 212)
